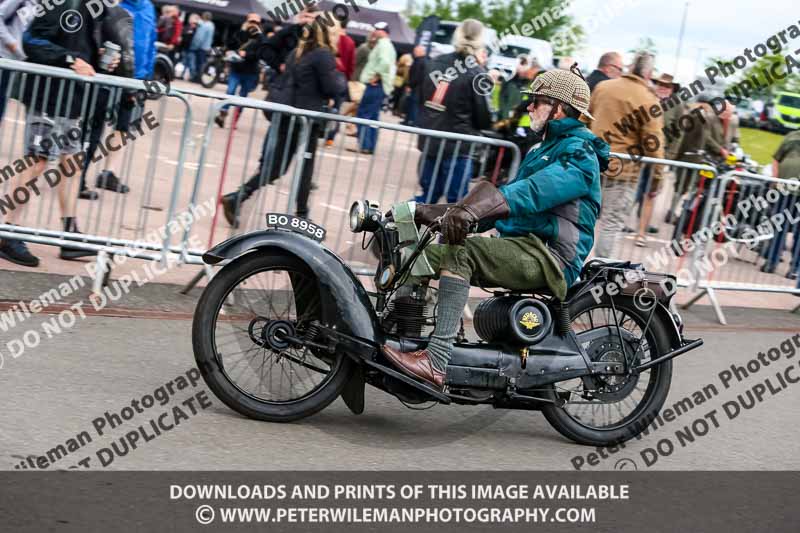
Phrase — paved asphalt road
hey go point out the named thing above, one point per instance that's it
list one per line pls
(52, 393)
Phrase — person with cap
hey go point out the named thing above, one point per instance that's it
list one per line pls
(614, 105)
(663, 87)
(378, 75)
(545, 218)
(608, 68)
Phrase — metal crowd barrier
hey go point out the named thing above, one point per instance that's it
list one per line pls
(114, 224)
(298, 164)
(754, 252)
(674, 207)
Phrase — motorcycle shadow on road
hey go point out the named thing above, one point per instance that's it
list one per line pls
(389, 426)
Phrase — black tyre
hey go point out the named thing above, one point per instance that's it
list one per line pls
(609, 410)
(239, 345)
(210, 74)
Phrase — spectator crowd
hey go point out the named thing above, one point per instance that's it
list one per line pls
(315, 65)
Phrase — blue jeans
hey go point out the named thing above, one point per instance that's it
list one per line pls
(775, 247)
(244, 82)
(370, 108)
(411, 109)
(433, 186)
(195, 60)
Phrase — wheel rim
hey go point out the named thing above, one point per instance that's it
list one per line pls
(249, 336)
(606, 403)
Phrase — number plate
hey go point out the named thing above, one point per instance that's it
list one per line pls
(296, 224)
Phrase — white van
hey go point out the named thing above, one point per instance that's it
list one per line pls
(443, 38)
(506, 53)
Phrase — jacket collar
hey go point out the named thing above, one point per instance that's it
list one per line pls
(560, 127)
(637, 79)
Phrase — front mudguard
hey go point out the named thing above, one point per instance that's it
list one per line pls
(340, 288)
(344, 297)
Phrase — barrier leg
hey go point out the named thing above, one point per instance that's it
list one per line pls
(102, 272)
(207, 271)
(712, 296)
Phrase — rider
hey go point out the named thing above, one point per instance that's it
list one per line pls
(545, 218)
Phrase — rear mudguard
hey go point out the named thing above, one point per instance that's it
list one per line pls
(673, 325)
(339, 286)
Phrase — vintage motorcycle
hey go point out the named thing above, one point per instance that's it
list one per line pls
(285, 327)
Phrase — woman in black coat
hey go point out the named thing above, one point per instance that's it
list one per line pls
(309, 81)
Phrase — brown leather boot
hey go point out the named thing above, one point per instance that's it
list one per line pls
(416, 364)
(484, 203)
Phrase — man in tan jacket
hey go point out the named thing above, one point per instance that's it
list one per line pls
(628, 116)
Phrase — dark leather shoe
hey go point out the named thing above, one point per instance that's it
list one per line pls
(416, 364)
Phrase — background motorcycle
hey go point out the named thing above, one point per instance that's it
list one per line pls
(214, 70)
(286, 327)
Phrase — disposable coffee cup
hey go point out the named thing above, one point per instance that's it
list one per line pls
(112, 52)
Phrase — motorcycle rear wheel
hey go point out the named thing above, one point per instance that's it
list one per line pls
(242, 317)
(656, 381)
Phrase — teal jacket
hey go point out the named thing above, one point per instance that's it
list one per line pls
(556, 194)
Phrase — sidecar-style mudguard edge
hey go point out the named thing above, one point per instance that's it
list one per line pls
(353, 307)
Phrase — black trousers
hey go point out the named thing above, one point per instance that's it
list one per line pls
(277, 152)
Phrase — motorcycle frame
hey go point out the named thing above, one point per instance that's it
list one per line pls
(351, 321)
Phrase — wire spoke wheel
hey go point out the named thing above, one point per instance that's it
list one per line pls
(248, 335)
(606, 409)
(609, 401)
(250, 332)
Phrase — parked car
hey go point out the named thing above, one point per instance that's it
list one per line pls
(749, 116)
(511, 47)
(783, 113)
(443, 38)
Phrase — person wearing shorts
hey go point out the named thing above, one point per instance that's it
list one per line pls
(53, 129)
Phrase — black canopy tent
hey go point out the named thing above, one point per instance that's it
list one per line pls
(228, 15)
(228, 10)
(362, 22)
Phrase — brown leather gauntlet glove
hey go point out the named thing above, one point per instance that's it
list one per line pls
(483, 203)
(426, 214)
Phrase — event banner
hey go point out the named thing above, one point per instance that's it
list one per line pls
(400, 501)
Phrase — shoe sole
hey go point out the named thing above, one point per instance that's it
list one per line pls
(77, 254)
(30, 264)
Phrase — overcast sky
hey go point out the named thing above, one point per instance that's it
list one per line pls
(713, 27)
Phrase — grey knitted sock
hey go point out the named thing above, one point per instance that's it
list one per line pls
(453, 295)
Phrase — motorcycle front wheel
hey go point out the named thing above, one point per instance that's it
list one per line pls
(241, 332)
(608, 410)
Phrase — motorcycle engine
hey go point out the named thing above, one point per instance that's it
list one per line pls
(409, 315)
(515, 320)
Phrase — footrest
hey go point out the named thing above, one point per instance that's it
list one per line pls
(430, 391)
